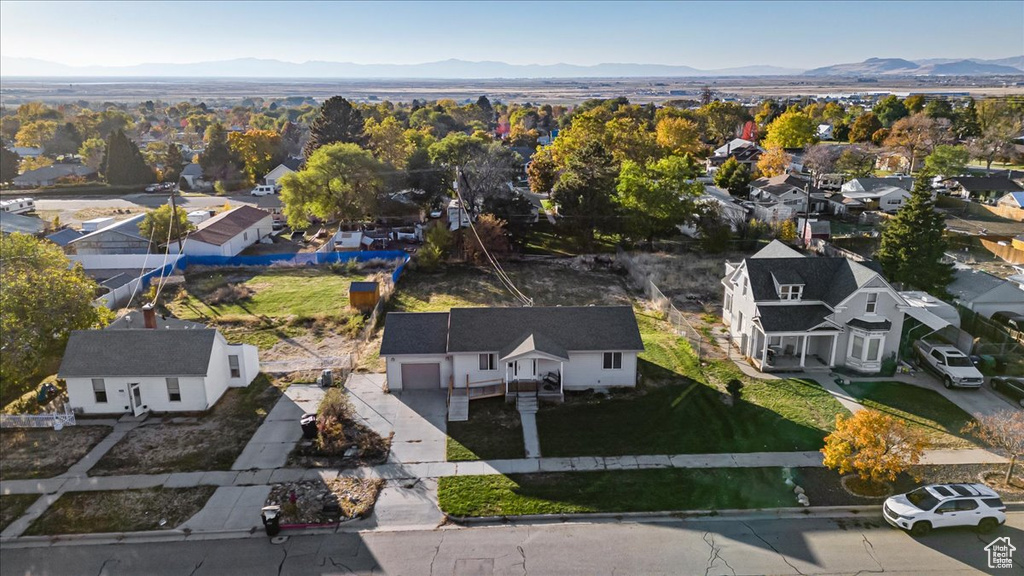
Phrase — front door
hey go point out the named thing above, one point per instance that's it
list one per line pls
(135, 399)
(526, 370)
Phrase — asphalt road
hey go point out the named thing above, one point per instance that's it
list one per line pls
(722, 546)
(66, 206)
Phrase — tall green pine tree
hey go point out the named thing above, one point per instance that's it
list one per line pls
(914, 243)
(123, 163)
(338, 121)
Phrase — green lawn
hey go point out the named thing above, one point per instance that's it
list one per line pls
(547, 238)
(614, 491)
(493, 432)
(121, 511)
(680, 409)
(12, 506)
(926, 410)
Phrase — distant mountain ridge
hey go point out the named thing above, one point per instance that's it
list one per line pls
(463, 69)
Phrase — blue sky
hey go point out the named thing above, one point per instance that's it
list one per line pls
(699, 34)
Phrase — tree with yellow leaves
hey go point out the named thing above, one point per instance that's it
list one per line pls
(678, 136)
(876, 446)
(773, 162)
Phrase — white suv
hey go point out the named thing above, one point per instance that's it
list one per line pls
(944, 505)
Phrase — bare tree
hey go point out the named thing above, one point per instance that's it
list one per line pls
(916, 136)
(821, 159)
(1003, 430)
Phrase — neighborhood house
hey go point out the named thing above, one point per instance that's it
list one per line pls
(228, 233)
(116, 238)
(149, 364)
(786, 311)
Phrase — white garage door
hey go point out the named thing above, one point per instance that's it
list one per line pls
(421, 376)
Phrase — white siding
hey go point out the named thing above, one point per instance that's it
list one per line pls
(469, 364)
(586, 370)
(394, 368)
(153, 391)
(235, 245)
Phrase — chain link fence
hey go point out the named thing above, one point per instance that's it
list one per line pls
(641, 280)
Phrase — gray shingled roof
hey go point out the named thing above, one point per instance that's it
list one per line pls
(792, 318)
(533, 343)
(415, 333)
(223, 227)
(136, 353)
(63, 237)
(986, 183)
(570, 327)
(830, 280)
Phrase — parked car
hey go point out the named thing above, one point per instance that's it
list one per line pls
(152, 188)
(952, 366)
(263, 190)
(943, 506)
(1010, 386)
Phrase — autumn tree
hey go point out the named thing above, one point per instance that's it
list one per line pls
(388, 142)
(947, 160)
(336, 121)
(678, 136)
(542, 172)
(864, 127)
(998, 125)
(65, 140)
(339, 180)
(914, 136)
(722, 119)
(914, 244)
(584, 192)
(159, 225)
(734, 177)
(657, 197)
(856, 162)
(1003, 430)
(258, 150)
(91, 152)
(8, 164)
(793, 129)
(821, 159)
(774, 162)
(35, 323)
(874, 445)
(490, 235)
(34, 134)
(437, 245)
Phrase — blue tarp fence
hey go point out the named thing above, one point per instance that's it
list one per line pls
(307, 258)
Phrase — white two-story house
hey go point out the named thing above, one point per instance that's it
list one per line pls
(789, 312)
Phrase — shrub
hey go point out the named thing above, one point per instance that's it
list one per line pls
(230, 293)
(335, 409)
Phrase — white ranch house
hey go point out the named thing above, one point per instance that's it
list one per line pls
(173, 366)
(228, 233)
(789, 312)
(540, 351)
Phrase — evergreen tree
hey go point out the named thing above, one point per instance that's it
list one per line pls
(172, 163)
(217, 160)
(913, 243)
(8, 164)
(123, 163)
(337, 121)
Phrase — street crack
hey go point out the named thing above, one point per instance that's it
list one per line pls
(197, 567)
(776, 550)
(104, 565)
(280, 567)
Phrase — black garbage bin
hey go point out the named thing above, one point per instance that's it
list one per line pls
(308, 423)
(271, 516)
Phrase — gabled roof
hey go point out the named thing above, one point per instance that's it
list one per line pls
(732, 146)
(968, 285)
(986, 183)
(533, 343)
(63, 237)
(829, 280)
(876, 193)
(54, 172)
(792, 318)
(869, 184)
(778, 185)
(415, 333)
(220, 229)
(776, 249)
(10, 222)
(129, 228)
(136, 353)
(573, 328)
(134, 320)
(1015, 197)
(192, 170)
(293, 164)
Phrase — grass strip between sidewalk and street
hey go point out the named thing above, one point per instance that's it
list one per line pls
(614, 491)
(121, 511)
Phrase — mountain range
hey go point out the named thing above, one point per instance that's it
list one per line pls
(463, 69)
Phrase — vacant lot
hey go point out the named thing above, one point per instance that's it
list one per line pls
(561, 282)
(210, 441)
(12, 506)
(285, 311)
(614, 491)
(43, 453)
(494, 431)
(929, 412)
(121, 511)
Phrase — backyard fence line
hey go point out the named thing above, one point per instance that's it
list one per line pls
(662, 303)
(49, 420)
(344, 363)
(387, 290)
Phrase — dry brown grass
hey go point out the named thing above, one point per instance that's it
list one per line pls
(43, 453)
(315, 500)
(121, 511)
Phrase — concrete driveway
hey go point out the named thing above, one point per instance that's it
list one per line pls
(276, 437)
(417, 418)
(973, 401)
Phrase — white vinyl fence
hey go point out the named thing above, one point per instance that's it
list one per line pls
(56, 420)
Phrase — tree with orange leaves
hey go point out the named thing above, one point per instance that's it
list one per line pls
(876, 446)
(774, 162)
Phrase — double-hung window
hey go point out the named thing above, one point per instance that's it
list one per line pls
(872, 303)
(236, 372)
(613, 360)
(173, 390)
(99, 390)
(488, 362)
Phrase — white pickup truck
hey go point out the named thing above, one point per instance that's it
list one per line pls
(951, 365)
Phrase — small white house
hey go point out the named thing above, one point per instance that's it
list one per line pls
(501, 351)
(290, 165)
(886, 199)
(984, 293)
(228, 233)
(138, 369)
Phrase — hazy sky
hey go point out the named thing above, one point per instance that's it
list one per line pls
(699, 34)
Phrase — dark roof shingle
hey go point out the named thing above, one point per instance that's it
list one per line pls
(570, 327)
(415, 333)
(223, 227)
(794, 318)
(133, 353)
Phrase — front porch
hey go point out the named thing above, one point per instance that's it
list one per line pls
(793, 352)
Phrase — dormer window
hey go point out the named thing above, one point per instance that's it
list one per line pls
(791, 291)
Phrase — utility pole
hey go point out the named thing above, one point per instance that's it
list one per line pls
(807, 216)
(174, 220)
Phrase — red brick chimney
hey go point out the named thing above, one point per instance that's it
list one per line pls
(149, 316)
